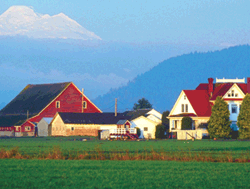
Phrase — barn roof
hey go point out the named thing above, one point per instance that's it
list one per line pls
(10, 120)
(33, 98)
(92, 118)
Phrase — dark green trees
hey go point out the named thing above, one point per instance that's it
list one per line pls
(219, 123)
(244, 118)
(142, 103)
(160, 131)
(186, 123)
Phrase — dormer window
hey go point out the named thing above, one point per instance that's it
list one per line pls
(232, 93)
(228, 95)
(57, 104)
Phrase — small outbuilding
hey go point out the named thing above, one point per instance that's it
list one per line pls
(42, 126)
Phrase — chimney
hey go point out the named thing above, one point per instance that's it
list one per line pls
(248, 85)
(210, 86)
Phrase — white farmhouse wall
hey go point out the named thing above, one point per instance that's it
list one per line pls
(143, 122)
(154, 118)
(155, 113)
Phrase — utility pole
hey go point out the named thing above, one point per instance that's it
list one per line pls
(116, 107)
(27, 114)
(82, 99)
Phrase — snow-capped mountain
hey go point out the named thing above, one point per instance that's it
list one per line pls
(22, 20)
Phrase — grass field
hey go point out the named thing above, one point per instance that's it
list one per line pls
(71, 145)
(121, 174)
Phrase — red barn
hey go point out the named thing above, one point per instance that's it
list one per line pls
(43, 100)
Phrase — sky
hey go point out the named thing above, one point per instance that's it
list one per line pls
(206, 22)
(140, 34)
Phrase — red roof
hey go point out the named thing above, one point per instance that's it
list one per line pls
(222, 88)
(199, 100)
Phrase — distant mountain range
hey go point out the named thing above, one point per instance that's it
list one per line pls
(163, 83)
(23, 21)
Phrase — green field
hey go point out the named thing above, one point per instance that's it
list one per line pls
(121, 174)
(34, 146)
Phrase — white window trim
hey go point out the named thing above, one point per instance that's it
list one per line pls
(58, 102)
(84, 102)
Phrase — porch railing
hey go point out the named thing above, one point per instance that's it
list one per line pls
(122, 131)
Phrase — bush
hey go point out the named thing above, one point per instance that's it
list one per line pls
(160, 131)
(186, 123)
(138, 131)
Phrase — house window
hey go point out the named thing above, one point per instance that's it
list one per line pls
(236, 94)
(72, 128)
(145, 129)
(186, 107)
(175, 124)
(185, 97)
(27, 128)
(84, 104)
(234, 109)
(232, 93)
(57, 104)
(182, 108)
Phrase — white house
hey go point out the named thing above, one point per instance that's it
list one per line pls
(198, 103)
(146, 120)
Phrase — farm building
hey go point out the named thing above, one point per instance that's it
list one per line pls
(90, 124)
(43, 100)
(146, 120)
(42, 126)
(198, 103)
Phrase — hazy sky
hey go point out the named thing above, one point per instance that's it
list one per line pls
(152, 31)
(219, 22)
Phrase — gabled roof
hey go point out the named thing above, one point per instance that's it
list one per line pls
(222, 88)
(199, 100)
(92, 118)
(34, 98)
(136, 113)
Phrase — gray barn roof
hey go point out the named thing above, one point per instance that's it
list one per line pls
(92, 118)
(33, 98)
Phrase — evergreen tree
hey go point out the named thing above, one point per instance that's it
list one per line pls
(219, 123)
(186, 123)
(244, 118)
(142, 103)
(160, 131)
(165, 121)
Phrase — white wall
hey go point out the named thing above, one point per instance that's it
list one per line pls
(142, 122)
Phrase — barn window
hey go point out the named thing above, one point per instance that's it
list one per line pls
(57, 104)
(27, 128)
(84, 104)
(145, 129)
(72, 128)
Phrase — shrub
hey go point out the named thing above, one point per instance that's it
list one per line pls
(186, 123)
(138, 131)
(160, 131)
